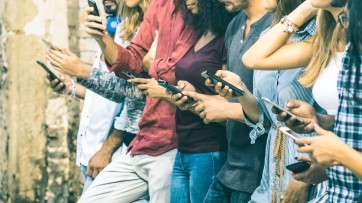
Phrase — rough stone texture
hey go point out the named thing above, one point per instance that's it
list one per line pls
(37, 126)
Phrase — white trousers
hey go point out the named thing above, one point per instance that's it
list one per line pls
(128, 178)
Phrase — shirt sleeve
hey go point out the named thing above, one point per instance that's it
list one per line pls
(130, 58)
(121, 121)
(110, 86)
(263, 125)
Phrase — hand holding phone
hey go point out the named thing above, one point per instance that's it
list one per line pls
(174, 90)
(51, 74)
(236, 91)
(298, 167)
(299, 119)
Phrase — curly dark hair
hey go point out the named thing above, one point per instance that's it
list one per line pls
(212, 16)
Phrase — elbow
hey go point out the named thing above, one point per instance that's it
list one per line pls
(248, 61)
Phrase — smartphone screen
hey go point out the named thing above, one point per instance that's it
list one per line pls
(300, 120)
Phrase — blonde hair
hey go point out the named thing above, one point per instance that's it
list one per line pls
(329, 34)
(132, 18)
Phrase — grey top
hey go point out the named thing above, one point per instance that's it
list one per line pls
(245, 161)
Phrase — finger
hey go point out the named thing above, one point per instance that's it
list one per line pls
(194, 95)
(181, 84)
(199, 108)
(293, 104)
(176, 97)
(206, 121)
(305, 149)
(319, 130)
(303, 141)
(139, 80)
(276, 110)
(93, 31)
(57, 54)
(89, 171)
(208, 82)
(202, 115)
(95, 173)
(224, 91)
(94, 19)
(305, 158)
(68, 52)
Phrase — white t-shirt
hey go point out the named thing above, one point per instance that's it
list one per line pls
(98, 115)
(325, 90)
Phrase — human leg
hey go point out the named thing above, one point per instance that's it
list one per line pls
(118, 182)
(179, 182)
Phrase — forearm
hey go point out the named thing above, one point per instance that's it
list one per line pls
(351, 159)
(325, 121)
(80, 91)
(110, 86)
(250, 106)
(109, 49)
(113, 142)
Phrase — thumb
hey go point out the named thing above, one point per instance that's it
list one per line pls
(293, 104)
(194, 95)
(320, 131)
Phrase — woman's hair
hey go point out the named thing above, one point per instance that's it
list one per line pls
(132, 18)
(284, 7)
(325, 45)
(354, 37)
(212, 16)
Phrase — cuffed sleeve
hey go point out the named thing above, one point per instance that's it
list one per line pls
(258, 128)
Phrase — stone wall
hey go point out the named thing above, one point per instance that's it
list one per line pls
(37, 126)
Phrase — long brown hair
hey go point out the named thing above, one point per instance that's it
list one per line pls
(132, 18)
(329, 34)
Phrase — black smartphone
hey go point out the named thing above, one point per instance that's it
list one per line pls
(174, 90)
(299, 119)
(52, 75)
(236, 91)
(93, 4)
(298, 167)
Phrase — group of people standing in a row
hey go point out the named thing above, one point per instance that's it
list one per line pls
(304, 55)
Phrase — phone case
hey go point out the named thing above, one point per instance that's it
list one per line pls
(173, 89)
(298, 167)
(236, 91)
(93, 4)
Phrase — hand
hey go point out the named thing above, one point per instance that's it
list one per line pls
(296, 192)
(95, 26)
(301, 109)
(98, 162)
(326, 149)
(229, 77)
(68, 63)
(179, 100)
(314, 175)
(62, 87)
(150, 87)
(151, 54)
(209, 107)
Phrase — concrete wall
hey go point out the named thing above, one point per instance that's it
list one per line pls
(37, 126)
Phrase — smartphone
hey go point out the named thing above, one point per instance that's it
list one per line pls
(289, 133)
(49, 44)
(174, 90)
(298, 167)
(236, 91)
(299, 119)
(52, 75)
(128, 74)
(93, 4)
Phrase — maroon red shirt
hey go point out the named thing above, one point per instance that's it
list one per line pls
(157, 125)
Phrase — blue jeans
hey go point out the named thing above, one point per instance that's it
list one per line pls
(87, 180)
(193, 174)
(219, 193)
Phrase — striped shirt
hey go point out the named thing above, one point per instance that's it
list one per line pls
(280, 87)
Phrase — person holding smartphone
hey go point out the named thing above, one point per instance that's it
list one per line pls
(97, 111)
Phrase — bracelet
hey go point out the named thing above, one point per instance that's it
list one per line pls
(73, 90)
(289, 26)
